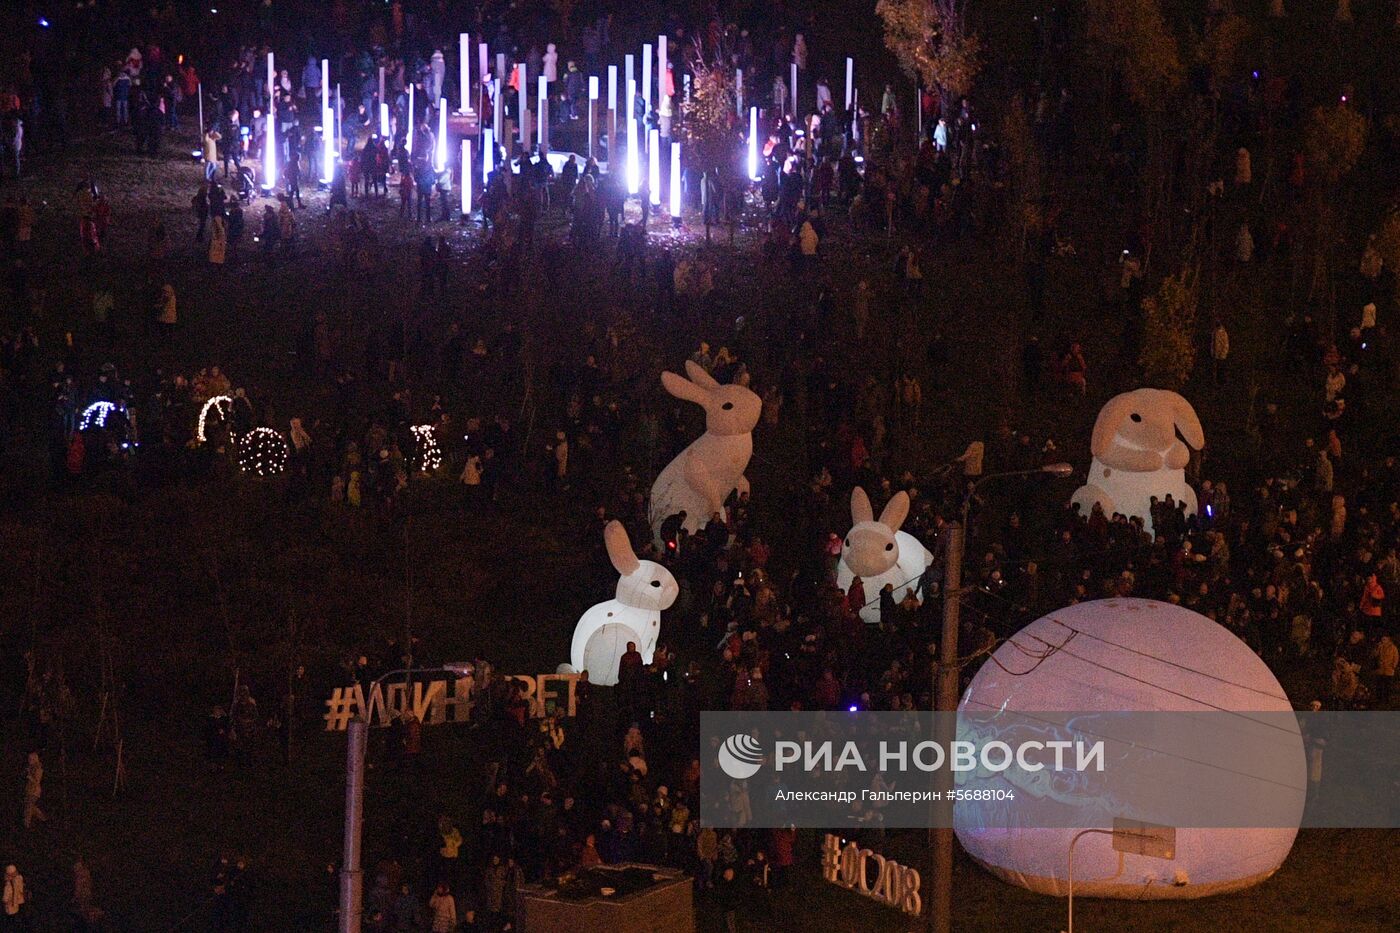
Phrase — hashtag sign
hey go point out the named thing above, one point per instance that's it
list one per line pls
(340, 708)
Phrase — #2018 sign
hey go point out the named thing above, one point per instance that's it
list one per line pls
(850, 867)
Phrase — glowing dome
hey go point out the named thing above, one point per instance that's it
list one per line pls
(1142, 656)
(262, 452)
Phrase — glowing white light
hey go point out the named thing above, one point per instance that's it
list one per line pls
(270, 140)
(592, 103)
(262, 452)
(327, 125)
(428, 456)
(524, 88)
(646, 74)
(464, 66)
(440, 151)
(675, 180)
(753, 143)
(384, 128)
(408, 144)
(739, 92)
(542, 113)
(654, 166)
(221, 405)
(466, 169)
(612, 87)
(634, 171)
(95, 415)
(850, 79)
(488, 154)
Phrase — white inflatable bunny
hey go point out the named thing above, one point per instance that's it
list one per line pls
(879, 553)
(602, 634)
(1138, 455)
(704, 474)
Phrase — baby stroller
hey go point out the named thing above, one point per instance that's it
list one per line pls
(246, 183)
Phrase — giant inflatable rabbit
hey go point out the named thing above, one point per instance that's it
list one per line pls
(879, 553)
(1138, 455)
(602, 634)
(704, 474)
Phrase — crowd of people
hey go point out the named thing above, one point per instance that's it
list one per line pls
(1293, 547)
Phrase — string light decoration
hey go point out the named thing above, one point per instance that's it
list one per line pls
(95, 415)
(221, 405)
(428, 455)
(262, 452)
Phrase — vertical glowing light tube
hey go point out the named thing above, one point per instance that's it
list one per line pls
(675, 181)
(466, 177)
(412, 126)
(542, 114)
(270, 139)
(629, 73)
(498, 86)
(464, 71)
(482, 69)
(440, 151)
(794, 89)
(646, 74)
(753, 143)
(381, 84)
(384, 129)
(654, 166)
(488, 154)
(634, 171)
(850, 79)
(592, 105)
(524, 87)
(612, 110)
(661, 73)
(739, 92)
(327, 125)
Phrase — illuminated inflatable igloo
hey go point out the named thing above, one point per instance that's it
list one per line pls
(1167, 648)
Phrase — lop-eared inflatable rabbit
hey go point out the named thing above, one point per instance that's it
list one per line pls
(1138, 455)
(602, 634)
(879, 553)
(704, 474)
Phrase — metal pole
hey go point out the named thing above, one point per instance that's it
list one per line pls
(351, 878)
(200, 92)
(946, 701)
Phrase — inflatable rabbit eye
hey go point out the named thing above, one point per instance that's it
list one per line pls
(890, 546)
(727, 406)
(1136, 417)
(656, 583)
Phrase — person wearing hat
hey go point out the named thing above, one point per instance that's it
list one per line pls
(14, 897)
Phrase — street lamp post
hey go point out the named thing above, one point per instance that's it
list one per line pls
(945, 685)
(351, 875)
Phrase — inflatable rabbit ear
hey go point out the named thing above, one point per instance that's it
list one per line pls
(681, 387)
(860, 507)
(620, 552)
(1187, 422)
(1110, 417)
(699, 376)
(895, 511)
